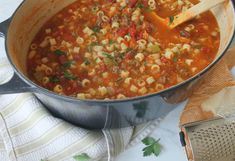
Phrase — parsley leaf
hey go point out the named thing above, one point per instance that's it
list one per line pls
(91, 45)
(140, 5)
(171, 18)
(54, 79)
(86, 61)
(69, 64)
(119, 80)
(82, 157)
(96, 29)
(152, 146)
(69, 76)
(43, 160)
(111, 42)
(148, 141)
(59, 52)
(112, 58)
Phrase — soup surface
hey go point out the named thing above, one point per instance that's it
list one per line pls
(106, 49)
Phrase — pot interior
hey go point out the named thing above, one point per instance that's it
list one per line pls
(32, 15)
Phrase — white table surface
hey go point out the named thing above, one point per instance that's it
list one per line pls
(167, 130)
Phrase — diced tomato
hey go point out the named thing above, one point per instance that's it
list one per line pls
(62, 80)
(71, 87)
(52, 56)
(103, 67)
(165, 60)
(129, 55)
(50, 85)
(132, 3)
(132, 30)
(145, 3)
(68, 37)
(206, 50)
(77, 57)
(111, 1)
(63, 59)
(140, 35)
(122, 32)
(185, 33)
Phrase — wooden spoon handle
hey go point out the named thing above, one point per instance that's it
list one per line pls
(201, 7)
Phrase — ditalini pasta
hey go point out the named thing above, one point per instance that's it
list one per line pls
(106, 49)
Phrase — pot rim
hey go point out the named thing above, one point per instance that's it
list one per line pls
(138, 98)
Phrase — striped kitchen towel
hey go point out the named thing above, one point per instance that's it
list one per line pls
(30, 133)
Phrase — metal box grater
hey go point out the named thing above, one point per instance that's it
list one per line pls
(211, 140)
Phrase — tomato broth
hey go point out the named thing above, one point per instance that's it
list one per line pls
(106, 49)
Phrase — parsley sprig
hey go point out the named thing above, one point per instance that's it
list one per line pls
(70, 76)
(82, 157)
(152, 146)
(59, 52)
(171, 18)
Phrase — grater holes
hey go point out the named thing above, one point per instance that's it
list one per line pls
(214, 142)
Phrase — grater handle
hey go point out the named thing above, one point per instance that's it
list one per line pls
(182, 138)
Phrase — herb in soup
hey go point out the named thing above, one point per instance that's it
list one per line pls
(106, 49)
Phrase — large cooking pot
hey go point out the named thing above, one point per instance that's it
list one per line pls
(20, 30)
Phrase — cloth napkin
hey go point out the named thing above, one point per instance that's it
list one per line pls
(30, 133)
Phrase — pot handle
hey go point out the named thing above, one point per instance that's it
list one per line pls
(4, 27)
(16, 85)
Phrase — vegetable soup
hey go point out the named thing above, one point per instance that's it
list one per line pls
(106, 49)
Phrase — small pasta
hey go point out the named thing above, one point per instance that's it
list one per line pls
(143, 90)
(45, 80)
(186, 47)
(52, 41)
(112, 50)
(103, 31)
(105, 18)
(76, 49)
(159, 87)
(133, 88)
(142, 43)
(88, 31)
(80, 40)
(100, 13)
(48, 71)
(150, 80)
(115, 25)
(58, 89)
(81, 96)
(141, 83)
(44, 43)
(127, 81)
(139, 57)
(155, 68)
(121, 96)
(103, 91)
(86, 83)
(124, 74)
(31, 54)
(44, 60)
(33, 46)
(48, 31)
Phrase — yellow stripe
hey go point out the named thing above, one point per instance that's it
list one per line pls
(54, 133)
(4, 64)
(2, 146)
(16, 104)
(88, 141)
(28, 123)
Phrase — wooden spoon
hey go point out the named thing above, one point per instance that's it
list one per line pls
(175, 21)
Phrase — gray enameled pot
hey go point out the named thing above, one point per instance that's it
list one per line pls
(20, 29)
